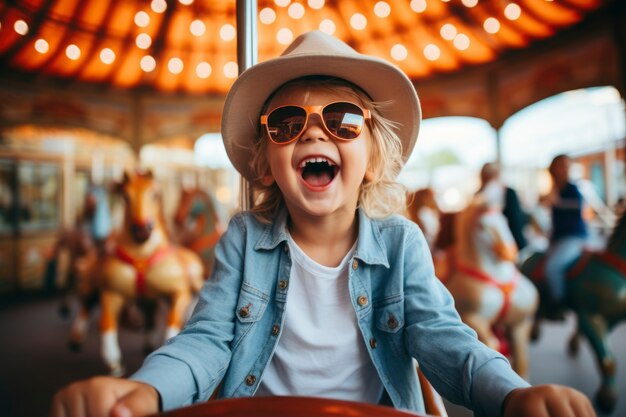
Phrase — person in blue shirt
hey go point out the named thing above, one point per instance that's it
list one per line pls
(569, 230)
(323, 289)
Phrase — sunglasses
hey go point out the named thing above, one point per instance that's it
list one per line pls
(342, 120)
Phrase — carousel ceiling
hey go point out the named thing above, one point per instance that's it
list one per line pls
(189, 46)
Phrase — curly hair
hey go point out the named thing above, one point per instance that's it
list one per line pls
(379, 196)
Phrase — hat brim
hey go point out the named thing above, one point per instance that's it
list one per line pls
(379, 79)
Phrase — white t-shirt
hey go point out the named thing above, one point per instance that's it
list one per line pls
(321, 352)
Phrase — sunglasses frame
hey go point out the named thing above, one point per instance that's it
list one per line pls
(367, 115)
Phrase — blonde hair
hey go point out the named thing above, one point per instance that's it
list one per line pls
(379, 196)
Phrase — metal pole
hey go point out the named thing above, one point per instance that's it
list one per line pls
(247, 56)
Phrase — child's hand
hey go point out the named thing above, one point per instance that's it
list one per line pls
(105, 397)
(547, 400)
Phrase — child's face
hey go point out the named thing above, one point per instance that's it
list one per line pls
(330, 185)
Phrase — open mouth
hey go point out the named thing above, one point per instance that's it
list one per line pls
(318, 171)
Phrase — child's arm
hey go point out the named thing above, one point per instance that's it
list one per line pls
(547, 400)
(105, 397)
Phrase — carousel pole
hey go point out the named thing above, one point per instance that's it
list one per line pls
(246, 57)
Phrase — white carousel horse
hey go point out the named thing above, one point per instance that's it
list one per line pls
(490, 293)
(144, 266)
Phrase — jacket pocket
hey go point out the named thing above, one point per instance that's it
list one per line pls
(250, 308)
(390, 317)
(251, 304)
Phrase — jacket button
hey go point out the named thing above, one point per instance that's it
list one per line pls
(286, 248)
(355, 264)
(244, 312)
(373, 343)
(275, 330)
(392, 322)
(362, 300)
(250, 380)
(282, 284)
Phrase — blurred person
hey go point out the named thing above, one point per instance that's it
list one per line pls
(496, 193)
(569, 230)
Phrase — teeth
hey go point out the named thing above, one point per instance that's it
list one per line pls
(313, 160)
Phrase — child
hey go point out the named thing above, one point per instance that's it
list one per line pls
(320, 291)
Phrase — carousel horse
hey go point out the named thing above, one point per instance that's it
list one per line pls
(145, 266)
(198, 225)
(490, 293)
(596, 293)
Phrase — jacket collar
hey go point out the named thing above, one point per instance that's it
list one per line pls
(370, 248)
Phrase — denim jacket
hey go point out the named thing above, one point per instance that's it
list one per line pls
(403, 312)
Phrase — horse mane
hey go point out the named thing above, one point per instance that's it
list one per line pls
(618, 232)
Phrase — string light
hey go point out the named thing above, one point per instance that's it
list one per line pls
(72, 52)
(432, 52)
(382, 9)
(327, 26)
(147, 63)
(284, 36)
(231, 69)
(267, 16)
(461, 42)
(107, 56)
(20, 27)
(418, 6)
(358, 21)
(228, 32)
(143, 41)
(316, 4)
(142, 19)
(399, 52)
(296, 11)
(158, 6)
(512, 11)
(448, 31)
(491, 25)
(203, 70)
(41, 46)
(197, 28)
(175, 65)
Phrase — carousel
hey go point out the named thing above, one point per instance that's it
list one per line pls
(115, 186)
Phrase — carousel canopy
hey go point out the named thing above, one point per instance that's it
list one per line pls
(189, 46)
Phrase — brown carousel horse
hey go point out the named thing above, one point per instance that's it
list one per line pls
(596, 293)
(144, 266)
(198, 225)
(490, 293)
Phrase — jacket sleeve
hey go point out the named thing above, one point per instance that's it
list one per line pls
(459, 366)
(189, 367)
